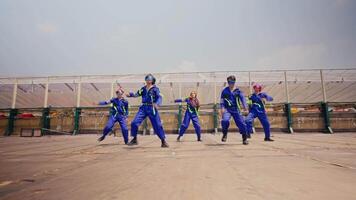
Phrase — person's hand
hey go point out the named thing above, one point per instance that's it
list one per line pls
(128, 95)
(156, 106)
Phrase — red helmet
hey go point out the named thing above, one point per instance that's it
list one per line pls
(257, 87)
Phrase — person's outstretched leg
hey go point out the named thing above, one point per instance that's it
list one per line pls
(225, 123)
(108, 127)
(157, 126)
(195, 120)
(266, 126)
(184, 126)
(140, 116)
(249, 123)
(240, 122)
(124, 129)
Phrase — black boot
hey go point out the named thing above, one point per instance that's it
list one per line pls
(164, 144)
(199, 139)
(224, 137)
(268, 140)
(244, 139)
(178, 138)
(101, 138)
(249, 135)
(133, 142)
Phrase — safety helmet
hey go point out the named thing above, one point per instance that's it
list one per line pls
(231, 79)
(150, 77)
(257, 87)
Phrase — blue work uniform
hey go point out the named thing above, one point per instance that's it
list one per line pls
(257, 109)
(119, 112)
(190, 114)
(147, 109)
(231, 101)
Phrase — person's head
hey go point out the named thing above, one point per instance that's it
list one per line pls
(119, 93)
(257, 88)
(231, 80)
(150, 79)
(193, 94)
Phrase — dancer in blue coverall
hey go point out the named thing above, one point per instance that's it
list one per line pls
(119, 113)
(190, 114)
(231, 98)
(151, 99)
(258, 110)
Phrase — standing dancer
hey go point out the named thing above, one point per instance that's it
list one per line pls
(119, 113)
(151, 99)
(258, 110)
(231, 98)
(190, 114)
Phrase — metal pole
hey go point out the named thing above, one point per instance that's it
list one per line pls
(323, 85)
(215, 93)
(249, 84)
(287, 106)
(45, 104)
(78, 93)
(180, 90)
(286, 87)
(112, 90)
(14, 95)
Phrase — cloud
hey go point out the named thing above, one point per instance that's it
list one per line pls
(47, 28)
(295, 56)
(187, 66)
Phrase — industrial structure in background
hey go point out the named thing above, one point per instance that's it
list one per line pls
(304, 100)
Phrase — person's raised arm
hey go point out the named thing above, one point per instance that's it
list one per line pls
(266, 96)
(137, 94)
(102, 103)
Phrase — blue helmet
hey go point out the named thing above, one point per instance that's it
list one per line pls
(150, 77)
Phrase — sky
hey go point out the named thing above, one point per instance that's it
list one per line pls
(82, 37)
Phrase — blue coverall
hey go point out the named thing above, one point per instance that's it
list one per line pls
(258, 110)
(190, 114)
(230, 101)
(119, 113)
(147, 109)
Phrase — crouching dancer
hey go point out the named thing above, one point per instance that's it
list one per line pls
(257, 101)
(119, 113)
(151, 99)
(190, 114)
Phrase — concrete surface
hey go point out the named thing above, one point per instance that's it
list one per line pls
(299, 166)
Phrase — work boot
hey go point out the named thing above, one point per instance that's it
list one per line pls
(268, 140)
(164, 144)
(244, 139)
(224, 137)
(133, 142)
(178, 138)
(101, 138)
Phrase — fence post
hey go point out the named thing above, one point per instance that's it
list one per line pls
(77, 113)
(179, 116)
(326, 117)
(11, 122)
(45, 120)
(324, 106)
(287, 105)
(215, 118)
